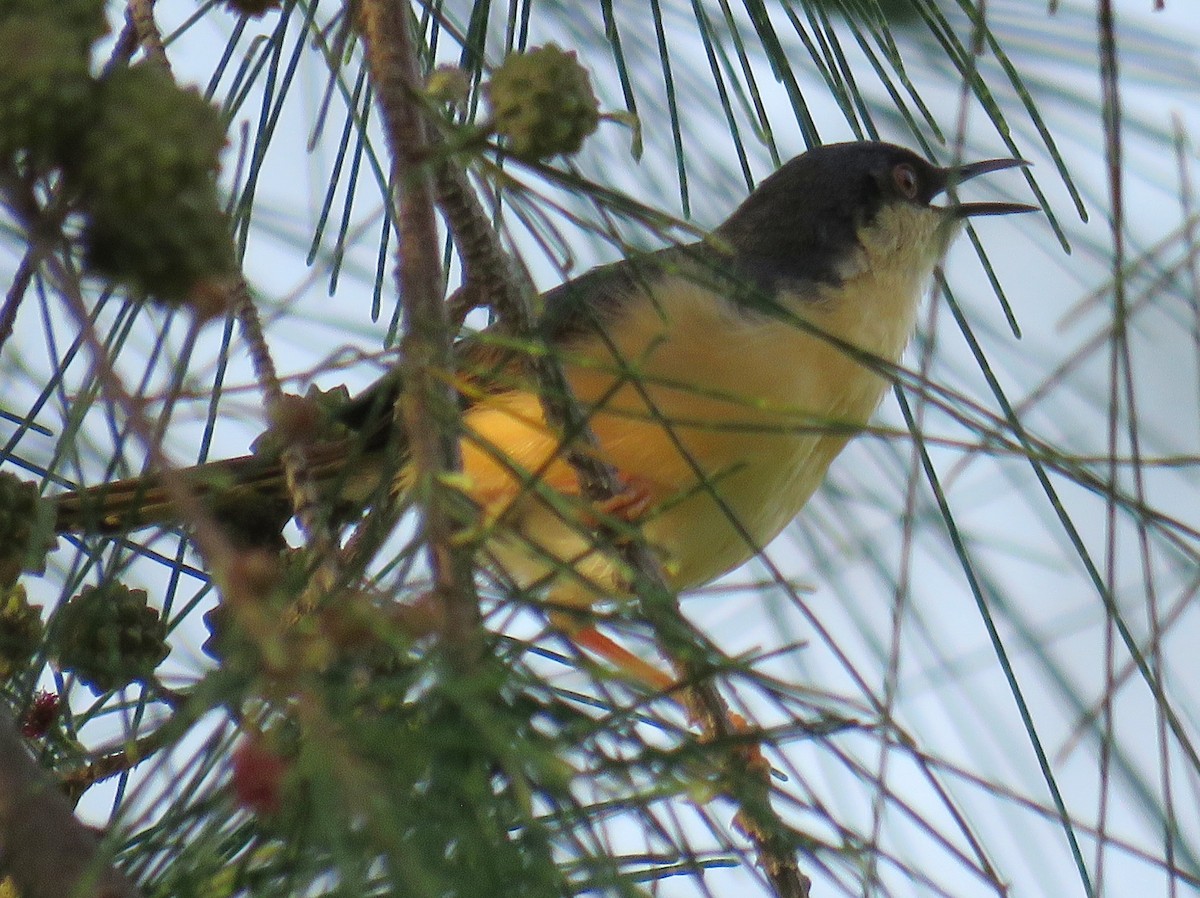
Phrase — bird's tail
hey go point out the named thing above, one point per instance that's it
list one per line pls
(245, 495)
(221, 486)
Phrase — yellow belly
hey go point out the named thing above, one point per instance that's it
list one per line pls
(729, 459)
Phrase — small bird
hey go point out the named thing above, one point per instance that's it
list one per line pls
(720, 378)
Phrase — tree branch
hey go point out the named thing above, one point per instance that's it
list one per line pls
(43, 846)
(496, 280)
(428, 402)
(140, 15)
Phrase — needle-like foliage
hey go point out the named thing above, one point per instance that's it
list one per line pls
(969, 663)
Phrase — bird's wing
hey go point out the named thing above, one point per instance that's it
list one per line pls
(492, 361)
(489, 364)
(575, 308)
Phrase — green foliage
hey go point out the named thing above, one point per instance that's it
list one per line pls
(85, 19)
(542, 102)
(141, 151)
(448, 84)
(896, 13)
(109, 637)
(546, 777)
(46, 90)
(164, 250)
(20, 630)
(499, 843)
(25, 528)
(301, 419)
(257, 627)
(438, 785)
(151, 139)
(145, 173)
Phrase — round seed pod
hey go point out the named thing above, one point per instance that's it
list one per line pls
(109, 637)
(542, 103)
(21, 630)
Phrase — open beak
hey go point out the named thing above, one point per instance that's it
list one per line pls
(956, 176)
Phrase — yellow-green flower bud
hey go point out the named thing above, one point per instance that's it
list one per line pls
(542, 103)
(109, 637)
(20, 630)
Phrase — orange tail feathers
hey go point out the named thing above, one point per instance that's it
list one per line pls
(629, 664)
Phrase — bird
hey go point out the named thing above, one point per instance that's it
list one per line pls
(720, 379)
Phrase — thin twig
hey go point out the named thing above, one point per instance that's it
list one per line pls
(45, 224)
(47, 851)
(207, 534)
(1111, 116)
(16, 293)
(75, 782)
(494, 279)
(490, 276)
(141, 15)
(501, 283)
(57, 207)
(47, 242)
(301, 485)
(428, 404)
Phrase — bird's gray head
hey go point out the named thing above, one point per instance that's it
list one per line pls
(803, 223)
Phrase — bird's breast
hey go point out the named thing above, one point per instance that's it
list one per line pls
(735, 417)
(727, 420)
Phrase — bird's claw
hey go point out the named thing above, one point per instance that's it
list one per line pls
(637, 496)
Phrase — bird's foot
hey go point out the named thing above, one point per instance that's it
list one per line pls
(638, 495)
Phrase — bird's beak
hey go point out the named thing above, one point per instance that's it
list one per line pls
(957, 175)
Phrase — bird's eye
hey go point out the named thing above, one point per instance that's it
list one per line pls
(906, 180)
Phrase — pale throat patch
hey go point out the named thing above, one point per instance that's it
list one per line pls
(885, 278)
